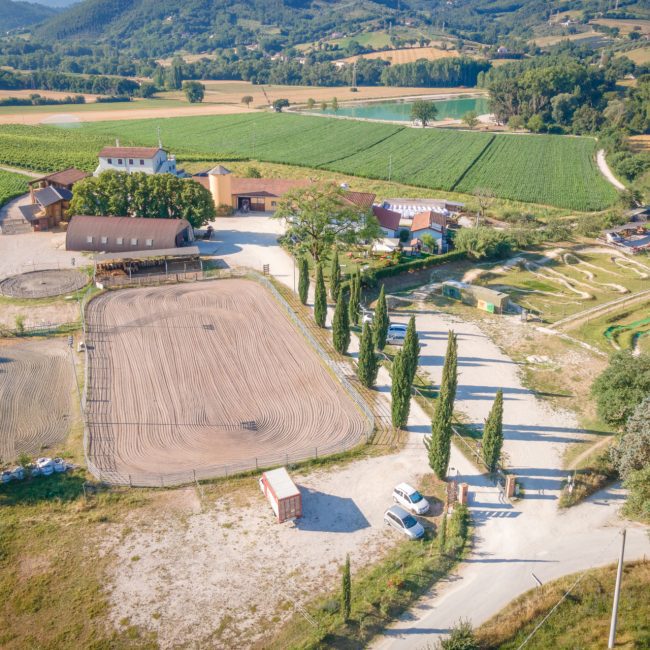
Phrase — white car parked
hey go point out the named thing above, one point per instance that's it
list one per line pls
(404, 522)
(409, 498)
(396, 334)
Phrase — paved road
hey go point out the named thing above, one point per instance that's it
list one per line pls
(512, 541)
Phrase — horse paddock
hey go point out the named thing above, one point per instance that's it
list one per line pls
(205, 379)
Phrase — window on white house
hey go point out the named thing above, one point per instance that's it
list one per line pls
(141, 161)
(119, 161)
(104, 240)
(89, 239)
(120, 241)
(130, 161)
(134, 242)
(149, 242)
(110, 161)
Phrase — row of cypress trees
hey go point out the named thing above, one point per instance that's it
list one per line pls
(405, 363)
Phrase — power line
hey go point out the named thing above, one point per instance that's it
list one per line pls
(559, 602)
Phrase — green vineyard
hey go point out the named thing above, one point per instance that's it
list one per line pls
(11, 186)
(551, 170)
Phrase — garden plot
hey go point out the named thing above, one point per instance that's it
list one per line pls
(206, 379)
(566, 281)
(36, 384)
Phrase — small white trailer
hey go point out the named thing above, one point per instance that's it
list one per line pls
(282, 494)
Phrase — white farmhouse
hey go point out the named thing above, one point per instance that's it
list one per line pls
(150, 160)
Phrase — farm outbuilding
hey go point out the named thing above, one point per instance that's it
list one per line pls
(494, 302)
(282, 494)
(120, 234)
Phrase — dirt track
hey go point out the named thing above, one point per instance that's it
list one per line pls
(35, 393)
(194, 377)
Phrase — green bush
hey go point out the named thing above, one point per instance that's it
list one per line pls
(370, 277)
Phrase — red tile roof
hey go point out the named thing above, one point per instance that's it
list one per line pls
(387, 218)
(428, 219)
(362, 200)
(129, 152)
(65, 177)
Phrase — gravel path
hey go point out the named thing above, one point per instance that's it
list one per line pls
(606, 171)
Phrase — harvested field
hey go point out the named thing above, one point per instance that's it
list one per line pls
(209, 378)
(406, 55)
(35, 391)
(43, 284)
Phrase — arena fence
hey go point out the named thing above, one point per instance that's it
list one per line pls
(180, 477)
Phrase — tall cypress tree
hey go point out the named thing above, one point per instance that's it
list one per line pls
(411, 349)
(341, 324)
(335, 275)
(380, 322)
(303, 280)
(400, 391)
(320, 298)
(367, 367)
(346, 590)
(353, 304)
(493, 433)
(439, 443)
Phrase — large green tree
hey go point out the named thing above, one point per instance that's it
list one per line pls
(335, 275)
(151, 196)
(439, 443)
(341, 324)
(380, 322)
(303, 279)
(194, 91)
(353, 303)
(423, 112)
(411, 348)
(368, 366)
(632, 449)
(400, 391)
(318, 216)
(493, 434)
(320, 298)
(622, 386)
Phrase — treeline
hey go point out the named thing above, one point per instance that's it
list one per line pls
(441, 73)
(38, 100)
(50, 80)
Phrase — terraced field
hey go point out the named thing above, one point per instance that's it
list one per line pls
(551, 170)
(36, 386)
(205, 379)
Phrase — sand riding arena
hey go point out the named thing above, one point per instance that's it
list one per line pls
(36, 384)
(43, 284)
(203, 380)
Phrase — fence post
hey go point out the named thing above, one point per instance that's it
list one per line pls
(162, 482)
(194, 472)
(316, 450)
(130, 482)
(256, 466)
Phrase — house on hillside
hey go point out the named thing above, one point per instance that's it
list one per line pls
(148, 160)
(119, 234)
(50, 196)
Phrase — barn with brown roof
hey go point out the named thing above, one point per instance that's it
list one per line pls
(119, 234)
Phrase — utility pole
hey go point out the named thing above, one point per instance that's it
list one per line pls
(390, 167)
(617, 593)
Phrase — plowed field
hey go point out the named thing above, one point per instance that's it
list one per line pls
(197, 377)
(35, 392)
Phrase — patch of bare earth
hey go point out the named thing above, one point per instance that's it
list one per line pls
(228, 574)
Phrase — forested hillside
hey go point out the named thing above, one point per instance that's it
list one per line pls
(14, 15)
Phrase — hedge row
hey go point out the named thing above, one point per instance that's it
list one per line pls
(372, 275)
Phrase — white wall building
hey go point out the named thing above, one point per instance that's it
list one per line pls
(150, 160)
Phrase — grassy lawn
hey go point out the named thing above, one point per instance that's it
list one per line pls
(582, 620)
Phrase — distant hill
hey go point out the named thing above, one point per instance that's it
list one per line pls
(14, 15)
(54, 3)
